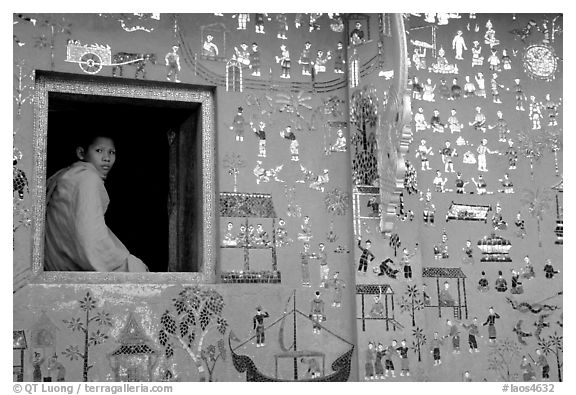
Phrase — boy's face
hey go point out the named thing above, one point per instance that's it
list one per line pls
(101, 153)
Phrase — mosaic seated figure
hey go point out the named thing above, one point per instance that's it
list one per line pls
(445, 297)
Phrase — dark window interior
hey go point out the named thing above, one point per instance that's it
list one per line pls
(155, 187)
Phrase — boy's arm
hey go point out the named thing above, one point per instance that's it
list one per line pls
(96, 242)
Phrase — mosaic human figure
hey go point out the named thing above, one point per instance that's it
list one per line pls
(238, 125)
(535, 113)
(490, 35)
(527, 370)
(390, 352)
(454, 124)
(423, 152)
(305, 257)
(477, 58)
(289, 135)
(506, 60)
(491, 322)
(284, 61)
(317, 313)
(258, 326)
(459, 45)
(507, 185)
(494, 61)
(473, 332)
(516, 287)
(468, 253)
(370, 360)
(454, 334)
(255, 61)
(445, 297)
(306, 59)
(243, 19)
(406, 261)
(469, 88)
(436, 123)
(520, 226)
(500, 285)
(337, 286)
(209, 49)
(481, 82)
(321, 60)
(543, 363)
(56, 370)
(404, 363)
(455, 90)
(366, 255)
(435, 343)
(260, 133)
(447, 153)
(483, 285)
(428, 90)
(482, 151)
(479, 122)
(420, 123)
(502, 126)
(172, 60)
(494, 88)
(552, 108)
(339, 60)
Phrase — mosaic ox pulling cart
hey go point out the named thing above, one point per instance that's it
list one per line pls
(91, 58)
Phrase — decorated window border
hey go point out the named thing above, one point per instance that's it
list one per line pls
(47, 82)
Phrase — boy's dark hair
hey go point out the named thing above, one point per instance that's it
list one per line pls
(86, 138)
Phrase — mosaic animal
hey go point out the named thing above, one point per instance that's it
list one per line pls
(136, 60)
(317, 182)
(525, 307)
(541, 324)
(520, 333)
(265, 175)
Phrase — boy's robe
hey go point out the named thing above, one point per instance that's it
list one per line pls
(77, 238)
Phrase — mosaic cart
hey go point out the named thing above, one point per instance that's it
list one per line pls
(91, 58)
(467, 212)
(448, 272)
(250, 205)
(376, 289)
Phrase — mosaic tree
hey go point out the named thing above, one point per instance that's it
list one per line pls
(553, 138)
(91, 338)
(538, 203)
(395, 243)
(501, 357)
(364, 118)
(196, 314)
(553, 344)
(234, 162)
(337, 202)
(54, 27)
(532, 145)
(418, 342)
(23, 86)
(411, 302)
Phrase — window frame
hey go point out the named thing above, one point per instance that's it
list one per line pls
(46, 82)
